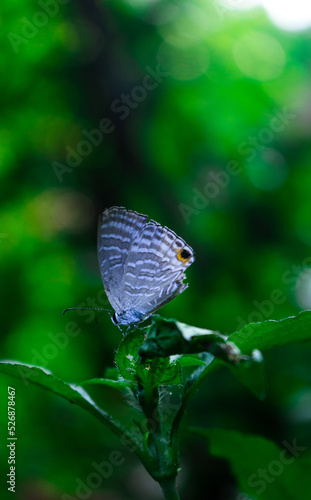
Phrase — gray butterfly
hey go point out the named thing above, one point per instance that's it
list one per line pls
(142, 264)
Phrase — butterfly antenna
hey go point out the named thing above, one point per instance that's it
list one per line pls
(88, 309)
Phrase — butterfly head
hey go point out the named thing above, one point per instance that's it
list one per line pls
(128, 317)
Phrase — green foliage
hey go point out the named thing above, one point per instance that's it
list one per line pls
(72, 392)
(218, 150)
(271, 333)
(127, 354)
(153, 378)
(169, 337)
(263, 469)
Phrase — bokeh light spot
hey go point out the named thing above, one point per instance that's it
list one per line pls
(259, 56)
(183, 63)
(291, 16)
(269, 171)
(303, 289)
(55, 211)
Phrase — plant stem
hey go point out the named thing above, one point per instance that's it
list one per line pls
(169, 489)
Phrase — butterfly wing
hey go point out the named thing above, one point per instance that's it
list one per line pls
(154, 269)
(117, 229)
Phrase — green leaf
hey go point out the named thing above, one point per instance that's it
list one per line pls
(127, 357)
(271, 333)
(160, 371)
(112, 373)
(193, 366)
(186, 361)
(167, 337)
(133, 368)
(72, 392)
(263, 470)
(170, 376)
(265, 335)
(251, 373)
(120, 385)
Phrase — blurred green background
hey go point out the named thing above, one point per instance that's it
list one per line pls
(197, 114)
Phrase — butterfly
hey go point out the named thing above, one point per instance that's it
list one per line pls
(142, 264)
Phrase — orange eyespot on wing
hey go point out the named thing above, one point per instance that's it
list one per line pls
(183, 255)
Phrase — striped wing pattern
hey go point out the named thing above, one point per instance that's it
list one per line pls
(142, 263)
(117, 229)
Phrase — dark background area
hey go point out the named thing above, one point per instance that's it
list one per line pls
(214, 144)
